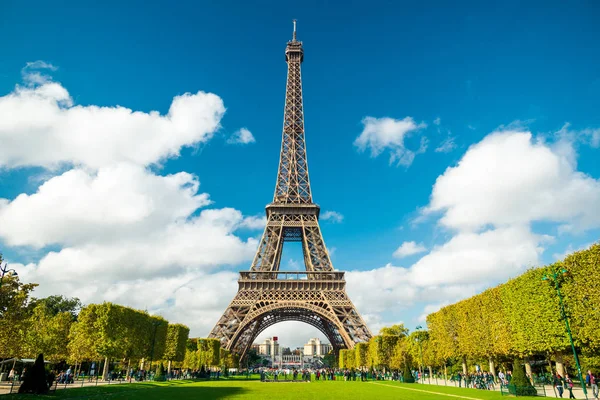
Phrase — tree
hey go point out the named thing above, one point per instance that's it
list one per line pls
(48, 333)
(395, 330)
(252, 357)
(190, 359)
(177, 336)
(343, 357)
(60, 304)
(15, 311)
(329, 359)
(83, 336)
(209, 352)
(361, 354)
(582, 297)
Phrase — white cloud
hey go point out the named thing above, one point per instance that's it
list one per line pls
(241, 136)
(254, 222)
(94, 136)
(107, 227)
(470, 258)
(380, 134)
(489, 201)
(446, 146)
(408, 249)
(509, 179)
(590, 136)
(39, 64)
(122, 200)
(332, 216)
(459, 268)
(32, 75)
(437, 121)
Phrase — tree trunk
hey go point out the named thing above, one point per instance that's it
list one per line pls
(528, 371)
(445, 372)
(492, 367)
(142, 363)
(105, 369)
(169, 368)
(560, 367)
(430, 373)
(464, 364)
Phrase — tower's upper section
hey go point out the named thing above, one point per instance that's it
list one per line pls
(294, 50)
(293, 185)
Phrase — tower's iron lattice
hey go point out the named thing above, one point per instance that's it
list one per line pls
(266, 295)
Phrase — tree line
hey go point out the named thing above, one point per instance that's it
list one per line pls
(62, 331)
(522, 318)
(517, 322)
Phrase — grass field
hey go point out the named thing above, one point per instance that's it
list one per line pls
(242, 389)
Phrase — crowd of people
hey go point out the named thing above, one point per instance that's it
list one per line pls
(478, 380)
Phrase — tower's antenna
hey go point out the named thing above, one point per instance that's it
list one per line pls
(294, 36)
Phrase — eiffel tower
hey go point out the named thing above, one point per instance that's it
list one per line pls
(316, 296)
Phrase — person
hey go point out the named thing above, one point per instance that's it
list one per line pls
(11, 374)
(590, 380)
(569, 384)
(92, 371)
(558, 384)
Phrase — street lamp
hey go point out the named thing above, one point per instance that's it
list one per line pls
(418, 328)
(554, 278)
(4, 270)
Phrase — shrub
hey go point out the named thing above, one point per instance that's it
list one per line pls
(160, 373)
(407, 375)
(519, 383)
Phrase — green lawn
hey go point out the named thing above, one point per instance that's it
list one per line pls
(242, 389)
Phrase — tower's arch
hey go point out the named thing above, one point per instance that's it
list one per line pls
(315, 315)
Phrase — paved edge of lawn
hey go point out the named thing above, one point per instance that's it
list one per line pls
(427, 391)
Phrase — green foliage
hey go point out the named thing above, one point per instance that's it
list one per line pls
(116, 332)
(361, 354)
(60, 304)
(209, 351)
(329, 359)
(253, 357)
(582, 297)
(395, 330)
(350, 362)
(15, 311)
(343, 357)
(522, 317)
(48, 333)
(177, 336)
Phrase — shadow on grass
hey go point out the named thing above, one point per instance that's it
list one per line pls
(145, 391)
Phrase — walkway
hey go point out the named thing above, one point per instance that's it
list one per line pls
(577, 390)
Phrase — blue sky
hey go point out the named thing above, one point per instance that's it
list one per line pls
(460, 71)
